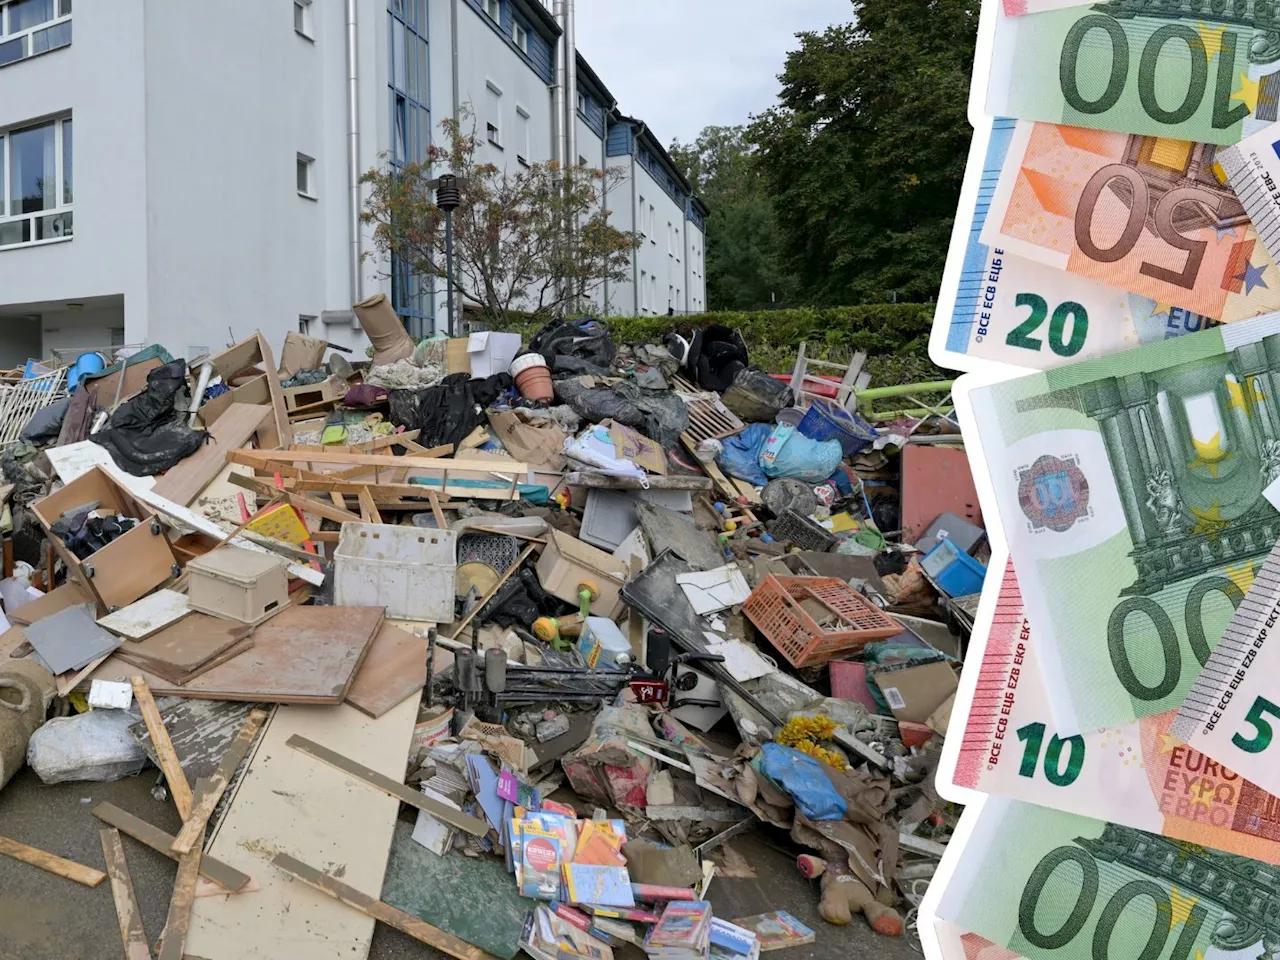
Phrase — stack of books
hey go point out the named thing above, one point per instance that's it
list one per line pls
(732, 942)
(558, 857)
(547, 936)
(682, 933)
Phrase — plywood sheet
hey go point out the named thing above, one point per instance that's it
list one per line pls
(191, 642)
(184, 481)
(289, 803)
(395, 668)
(935, 479)
(301, 655)
(70, 594)
(147, 616)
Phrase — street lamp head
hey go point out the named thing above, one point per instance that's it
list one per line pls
(448, 194)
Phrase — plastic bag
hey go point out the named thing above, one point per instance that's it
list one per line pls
(659, 414)
(92, 746)
(804, 779)
(740, 454)
(757, 397)
(789, 453)
(146, 434)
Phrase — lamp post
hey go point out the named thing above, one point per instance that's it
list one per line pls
(448, 190)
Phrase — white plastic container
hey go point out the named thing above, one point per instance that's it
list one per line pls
(408, 570)
(602, 642)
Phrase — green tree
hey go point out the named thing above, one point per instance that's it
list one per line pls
(511, 250)
(743, 243)
(865, 154)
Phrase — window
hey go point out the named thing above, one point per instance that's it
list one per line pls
(494, 9)
(649, 232)
(522, 38)
(582, 103)
(302, 18)
(35, 183)
(671, 297)
(671, 244)
(306, 176)
(644, 290)
(522, 136)
(640, 219)
(29, 27)
(304, 324)
(679, 249)
(493, 126)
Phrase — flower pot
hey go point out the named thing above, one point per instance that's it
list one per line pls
(533, 377)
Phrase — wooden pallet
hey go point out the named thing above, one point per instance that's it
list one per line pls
(709, 418)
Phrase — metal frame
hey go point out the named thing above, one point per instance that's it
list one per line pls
(416, 308)
(23, 400)
(60, 207)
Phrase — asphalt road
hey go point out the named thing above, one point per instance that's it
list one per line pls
(44, 917)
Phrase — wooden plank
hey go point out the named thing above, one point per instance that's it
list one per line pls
(229, 878)
(178, 785)
(181, 648)
(255, 457)
(148, 616)
(284, 429)
(301, 655)
(420, 930)
(132, 935)
(367, 508)
(51, 864)
(301, 501)
(395, 788)
(601, 481)
(216, 785)
(436, 511)
(174, 937)
(394, 668)
(288, 803)
(184, 481)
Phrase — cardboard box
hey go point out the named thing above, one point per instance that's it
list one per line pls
(567, 562)
(127, 568)
(491, 352)
(637, 448)
(915, 692)
(456, 358)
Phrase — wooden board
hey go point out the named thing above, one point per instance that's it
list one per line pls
(474, 899)
(184, 481)
(152, 836)
(217, 784)
(179, 649)
(392, 786)
(394, 668)
(179, 787)
(147, 616)
(70, 594)
(287, 803)
(132, 935)
(373, 907)
(301, 655)
(51, 864)
(501, 465)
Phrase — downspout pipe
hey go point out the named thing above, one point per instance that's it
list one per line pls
(353, 151)
(571, 88)
(562, 79)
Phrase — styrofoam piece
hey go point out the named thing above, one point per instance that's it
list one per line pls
(408, 570)
(110, 695)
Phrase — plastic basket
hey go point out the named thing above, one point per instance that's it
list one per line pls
(797, 529)
(955, 572)
(826, 421)
(774, 608)
(408, 570)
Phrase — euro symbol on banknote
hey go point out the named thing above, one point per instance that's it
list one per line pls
(1130, 491)
(1145, 214)
(1192, 69)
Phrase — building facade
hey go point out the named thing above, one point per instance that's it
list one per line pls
(185, 173)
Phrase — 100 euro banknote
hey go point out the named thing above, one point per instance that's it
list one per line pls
(1136, 774)
(1130, 493)
(1049, 885)
(1144, 214)
(1015, 310)
(1202, 70)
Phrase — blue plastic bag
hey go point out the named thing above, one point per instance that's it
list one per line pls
(789, 453)
(803, 778)
(740, 454)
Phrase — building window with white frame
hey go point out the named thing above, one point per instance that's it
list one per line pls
(644, 232)
(644, 290)
(35, 183)
(494, 9)
(652, 213)
(524, 146)
(302, 19)
(306, 176)
(521, 37)
(31, 27)
(493, 120)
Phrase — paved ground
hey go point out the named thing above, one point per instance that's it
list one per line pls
(43, 917)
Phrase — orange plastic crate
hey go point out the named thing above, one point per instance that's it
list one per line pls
(774, 608)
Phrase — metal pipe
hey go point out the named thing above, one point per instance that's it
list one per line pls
(558, 90)
(571, 88)
(353, 151)
(636, 216)
(453, 31)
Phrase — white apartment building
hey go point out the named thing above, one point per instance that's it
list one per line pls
(184, 172)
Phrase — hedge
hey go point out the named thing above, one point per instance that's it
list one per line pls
(894, 335)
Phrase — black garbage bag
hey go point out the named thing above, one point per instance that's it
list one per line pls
(449, 411)
(716, 355)
(757, 397)
(520, 601)
(659, 414)
(585, 339)
(43, 428)
(147, 434)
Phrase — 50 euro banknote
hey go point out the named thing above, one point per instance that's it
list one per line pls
(1136, 774)
(1049, 885)
(1018, 311)
(1203, 70)
(1145, 214)
(1130, 493)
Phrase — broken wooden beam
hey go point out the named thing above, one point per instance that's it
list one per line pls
(129, 917)
(179, 788)
(195, 824)
(225, 876)
(49, 863)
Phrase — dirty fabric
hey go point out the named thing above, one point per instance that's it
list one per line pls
(658, 414)
(147, 435)
(447, 413)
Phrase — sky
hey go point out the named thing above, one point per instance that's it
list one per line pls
(681, 65)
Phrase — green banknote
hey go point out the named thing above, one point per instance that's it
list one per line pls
(1049, 885)
(1185, 69)
(1131, 494)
